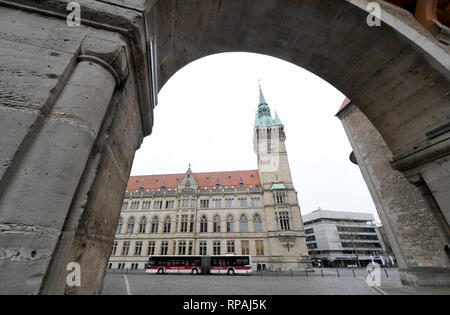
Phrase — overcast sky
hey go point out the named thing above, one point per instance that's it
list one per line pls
(205, 117)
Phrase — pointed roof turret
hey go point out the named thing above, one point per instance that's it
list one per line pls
(277, 120)
(263, 117)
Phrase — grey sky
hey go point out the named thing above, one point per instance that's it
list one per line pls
(205, 117)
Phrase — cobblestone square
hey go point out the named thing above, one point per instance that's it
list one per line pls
(333, 282)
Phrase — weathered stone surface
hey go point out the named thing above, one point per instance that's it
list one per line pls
(28, 74)
(16, 123)
(407, 213)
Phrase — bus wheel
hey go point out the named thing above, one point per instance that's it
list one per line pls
(194, 271)
(160, 271)
(231, 272)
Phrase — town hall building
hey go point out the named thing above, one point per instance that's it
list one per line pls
(250, 212)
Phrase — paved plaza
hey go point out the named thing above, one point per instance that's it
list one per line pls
(325, 281)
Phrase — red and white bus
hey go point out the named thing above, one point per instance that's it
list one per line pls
(228, 264)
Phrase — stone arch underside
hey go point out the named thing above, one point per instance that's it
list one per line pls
(393, 78)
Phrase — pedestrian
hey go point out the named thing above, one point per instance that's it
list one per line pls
(258, 267)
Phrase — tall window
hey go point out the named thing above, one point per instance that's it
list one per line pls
(125, 248)
(216, 248)
(146, 205)
(155, 224)
(184, 223)
(138, 249)
(164, 248)
(151, 248)
(182, 248)
(157, 205)
(191, 247)
(204, 224)
(119, 226)
(285, 223)
(229, 203)
(130, 226)
(230, 247)
(142, 225)
(217, 203)
(255, 202)
(259, 245)
(169, 204)
(243, 223)
(217, 224)
(230, 223)
(203, 248)
(167, 223)
(135, 205)
(125, 205)
(114, 249)
(204, 203)
(257, 225)
(281, 197)
(242, 202)
(245, 248)
(185, 203)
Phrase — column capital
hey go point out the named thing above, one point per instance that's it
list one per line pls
(110, 55)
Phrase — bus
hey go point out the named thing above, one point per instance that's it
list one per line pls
(227, 264)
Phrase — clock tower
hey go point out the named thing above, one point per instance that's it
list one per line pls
(282, 211)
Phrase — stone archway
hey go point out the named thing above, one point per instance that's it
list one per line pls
(73, 124)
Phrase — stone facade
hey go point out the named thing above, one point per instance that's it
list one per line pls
(241, 212)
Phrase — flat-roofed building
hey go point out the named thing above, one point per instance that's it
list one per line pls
(339, 239)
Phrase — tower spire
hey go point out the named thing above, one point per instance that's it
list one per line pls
(263, 117)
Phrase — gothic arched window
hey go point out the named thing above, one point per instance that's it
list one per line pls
(204, 224)
(130, 227)
(257, 225)
(217, 224)
(167, 224)
(230, 223)
(142, 225)
(119, 226)
(155, 224)
(243, 223)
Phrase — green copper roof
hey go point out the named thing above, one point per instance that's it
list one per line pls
(263, 117)
(276, 186)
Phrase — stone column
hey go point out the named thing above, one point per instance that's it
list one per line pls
(416, 229)
(35, 204)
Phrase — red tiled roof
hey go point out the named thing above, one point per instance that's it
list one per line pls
(209, 179)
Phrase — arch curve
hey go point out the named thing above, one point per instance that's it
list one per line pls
(397, 67)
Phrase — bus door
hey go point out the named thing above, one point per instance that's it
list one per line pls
(206, 265)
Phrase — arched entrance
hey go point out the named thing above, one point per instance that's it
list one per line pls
(70, 137)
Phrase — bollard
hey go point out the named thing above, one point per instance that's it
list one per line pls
(353, 270)
(292, 275)
(385, 271)
(337, 270)
(306, 271)
(321, 271)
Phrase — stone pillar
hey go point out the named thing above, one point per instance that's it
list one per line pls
(36, 201)
(413, 222)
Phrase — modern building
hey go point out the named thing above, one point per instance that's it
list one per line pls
(253, 212)
(340, 239)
